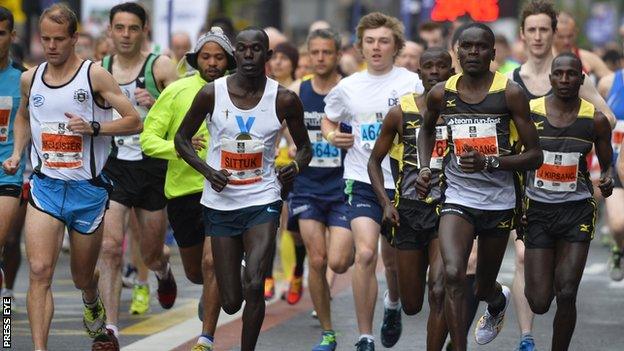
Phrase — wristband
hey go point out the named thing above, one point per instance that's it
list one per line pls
(330, 136)
(424, 169)
(296, 166)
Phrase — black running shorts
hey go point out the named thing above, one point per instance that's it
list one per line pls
(486, 222)
(138, 184)
(186, 216)
(418, 225)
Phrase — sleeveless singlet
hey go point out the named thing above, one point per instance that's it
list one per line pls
(410, 165)
(564, 175)
(57, 152)
(615, 100)
(323, 177)
(243, 142)
(518, 79)
(10, 98)
(128, 147)
(487, 127)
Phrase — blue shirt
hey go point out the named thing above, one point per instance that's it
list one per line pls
(323, 178)
(9, 102)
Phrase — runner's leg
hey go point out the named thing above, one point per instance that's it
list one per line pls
(9, 207)
(489, 258)
(614, 209)
(228, 252)
(12, 251)
(84, 253)
(539, 271)
(210, 292)
(436, 324)
(411, 271)
(523, 310)
(388, 256)
(340, 251)
(364, 279)
(152, 237)
(313, 235)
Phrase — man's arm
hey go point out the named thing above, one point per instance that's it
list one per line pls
(426, 137)
(164, 72)
(290, 110)
(604, 152)
(156, 126)
(604, 85)
(105, 85)
(589, 92)
(390, 127)
(21, 127)
(597, 65)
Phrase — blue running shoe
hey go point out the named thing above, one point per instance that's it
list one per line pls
(328, 342)
(527, 343)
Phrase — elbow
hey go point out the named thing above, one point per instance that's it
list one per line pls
(307, 153)
(538, 158)
(137, 126)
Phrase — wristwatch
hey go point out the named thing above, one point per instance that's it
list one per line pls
(492, 163)
(96, 128)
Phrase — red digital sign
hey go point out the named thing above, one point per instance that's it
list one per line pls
(479, 10)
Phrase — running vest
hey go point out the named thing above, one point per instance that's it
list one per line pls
(564, 175)
(615, 100)
(323, 176)
(410, 165)
(243, 142)
(57, 152)
(488, 128)
(10, 98)
(518, 79)
(128, 147)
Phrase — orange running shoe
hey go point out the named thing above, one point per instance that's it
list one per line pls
(295, 290)
(269, 288)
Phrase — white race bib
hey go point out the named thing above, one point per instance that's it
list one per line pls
(61, 148)
(6, 104)
(437, 155)
(370, 128)
(242, 158)
(323, 154)
(558, 172)
(481, 137)
(617, 136)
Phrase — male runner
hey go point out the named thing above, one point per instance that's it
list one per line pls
(478, 107)
(538, 25)
(611, 88)
(414, 221)
(66, 108)
(362, 100)
(560, 209)
(316, 202)
(212, 57)
(10, 72)
(138, 179)
(244, 113)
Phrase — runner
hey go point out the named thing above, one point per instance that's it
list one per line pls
(317, 199)
(10, 185)
(538, 25)
(359, 102)
(212, 57)
(561, 211)
(138, 179)
(63, 107)
(478, 106)
(611, 88)
(414, 221)
(242, 190)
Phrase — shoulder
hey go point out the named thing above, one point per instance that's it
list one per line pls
(604, 85)
(588, 57)
(286, 96)
(28, 75)
(295, 86)
(163, 65)
(514, 90)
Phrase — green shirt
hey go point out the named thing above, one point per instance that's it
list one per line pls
(159, 129)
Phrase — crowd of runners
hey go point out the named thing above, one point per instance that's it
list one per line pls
(433, 154)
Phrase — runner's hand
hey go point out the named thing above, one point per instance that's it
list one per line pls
(143, 98)
(606, 186)
(342, 140)
(292, 151)
(391, 215)
(287, 173)
(423, 182)
(78, 125)
(218, 179)
(199, 142)
(471, 160)
(11, 165)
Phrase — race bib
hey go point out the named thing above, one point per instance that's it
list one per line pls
(323, 154)
(128, 140)
(61, 148)
(481, 137)
(558, 172)
(370, 128)
(6, 104)
(617, 136)
(243, 159)
(437, 155)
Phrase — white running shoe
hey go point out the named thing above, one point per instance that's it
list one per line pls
(489, 326)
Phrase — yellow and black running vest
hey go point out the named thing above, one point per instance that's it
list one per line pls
(487, 127)
(563, 176)
(410, 165)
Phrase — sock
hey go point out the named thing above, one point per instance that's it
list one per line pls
(391, 305)
(162, 275)
(92, 303)
(471, 300)
(495, 310)
(114, 329)
(205, 340)
(370, 338)
(329, 332)
(526, 336)
(300, 254)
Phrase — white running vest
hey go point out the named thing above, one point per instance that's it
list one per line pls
(57, 152)
(243, 142)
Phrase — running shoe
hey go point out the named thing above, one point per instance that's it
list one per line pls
(202, 347)
(527, 343)
(616, 271)
(128, 275)
(269, 288)
(167, 290)
(391, 327)
(295, 290)
(489, 326)
(8, 293)
(105, 341)
(94, 318)
(365, 345)
(328, 342)
(313, 314)
(140, 299)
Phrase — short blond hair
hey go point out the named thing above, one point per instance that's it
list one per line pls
(376, 20)
(61, 14)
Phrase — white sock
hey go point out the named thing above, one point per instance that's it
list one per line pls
(140, 282)
(7, 292)
(114, 329)
(391, 305)
(367, 336)
(204, 341)
(163, 274)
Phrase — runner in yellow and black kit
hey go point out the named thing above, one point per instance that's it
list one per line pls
(561, 212)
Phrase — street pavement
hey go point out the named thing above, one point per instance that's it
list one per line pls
(599, 327)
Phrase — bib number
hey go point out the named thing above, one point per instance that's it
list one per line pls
(61, 148)
(617, 137)
(323, 154)
(558, 172)
(243, 159)
(370, 132)
(6, 105)
(481, 137)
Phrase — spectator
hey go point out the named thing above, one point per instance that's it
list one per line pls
(85, 46)
(303, 66)
(283, 63)
(410, 56)
(103, 47)
(432, 33)
(503, 62)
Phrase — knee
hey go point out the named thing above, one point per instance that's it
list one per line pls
(411, 307)
(340, 265)
(365, 257)
(254, 289)
(112, 250)
(231, 304)
(454, 277)
(41, 272)
(538, 306)
(318, 262)
(436, 295)
(194, 275)
(566, 295)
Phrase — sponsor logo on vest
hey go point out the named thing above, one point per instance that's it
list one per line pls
(450, 103)
(81, 95)
(38, 100)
